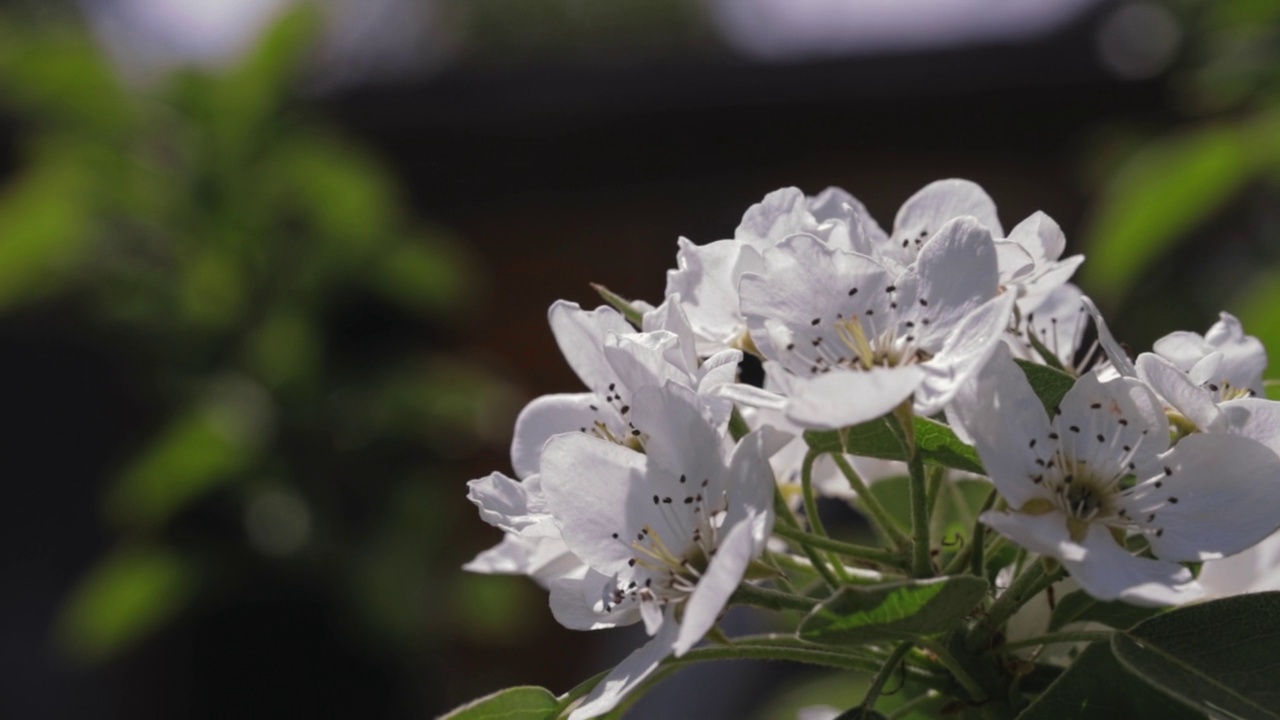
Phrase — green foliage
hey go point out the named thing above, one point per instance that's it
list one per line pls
(1096, 687)
(517, 703)
(130, 593)
(893, 611)
(938, 443)
(210, 445)
(1078, 606)
(1168, 188)
(209, 227)
(1048, 384)
(1219, 656)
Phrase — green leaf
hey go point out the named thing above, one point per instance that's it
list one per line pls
(621, 304)
(1049, 385)
(1079, 606)
(517, 703)
(201, 449)
(1160, 194)
(127, 595)
(938, 444)
(893, 611)
(1096, 687)
(1222, 656)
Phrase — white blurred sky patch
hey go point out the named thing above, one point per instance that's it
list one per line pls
(804, 29)
(147, 37)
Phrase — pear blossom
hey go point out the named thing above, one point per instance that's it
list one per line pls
(614, 360)
(848, 340)
(707, 276)
(1061, 324)
(1036, 270)
(1101, 468)
(1211, 383)
(531, 543)
(1254, 570)
(667, 534)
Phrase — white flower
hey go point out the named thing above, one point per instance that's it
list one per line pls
(848, 340)
(531, 544)
(667, 534)
(1035, 270)
(707, 276)
(1061, 323)
(1101, 468)
(927, 211)
(1254, 570)
(614, 361)
(1210, 382)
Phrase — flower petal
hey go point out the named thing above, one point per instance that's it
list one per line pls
(781, 213)
(629, 674)
(940, 202)
(1008, 424)
(955, 274)
(707, 282)
(1177, 389)
(722, 577)
(581, 334)
(551, 415)
(795, 306)
(843, 398)
(1255, 418)
(545, 559)
(597, 492)
(1103, 568)
(577, 602)
(966, 349)
(504, 502)
(1218, 496)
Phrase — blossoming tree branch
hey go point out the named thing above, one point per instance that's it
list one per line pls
(1084, 532)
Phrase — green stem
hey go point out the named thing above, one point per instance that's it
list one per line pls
(788, 526)
(858, 552)
(1060, 637)
(879, 516)
(962, 676)
(936, 475)
(921, 563)
(1033, 580)
(974, 549)
(928, 705)
(886, 671)
(770, 599)
(811, 505)
(812, 656)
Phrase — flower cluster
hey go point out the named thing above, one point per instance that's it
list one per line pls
(650, 496)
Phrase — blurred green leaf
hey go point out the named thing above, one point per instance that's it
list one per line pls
(1221, 656)
(1162, 192)
(201, 449)
(428, 275)
(129, 594)
(517, 703)
(342, 191)
(893, 611)
(44, 222)
(286, 350)
(61, 75)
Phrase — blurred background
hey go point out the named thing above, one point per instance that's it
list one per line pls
(274, 275)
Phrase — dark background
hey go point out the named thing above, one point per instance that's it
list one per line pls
(542, 162)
